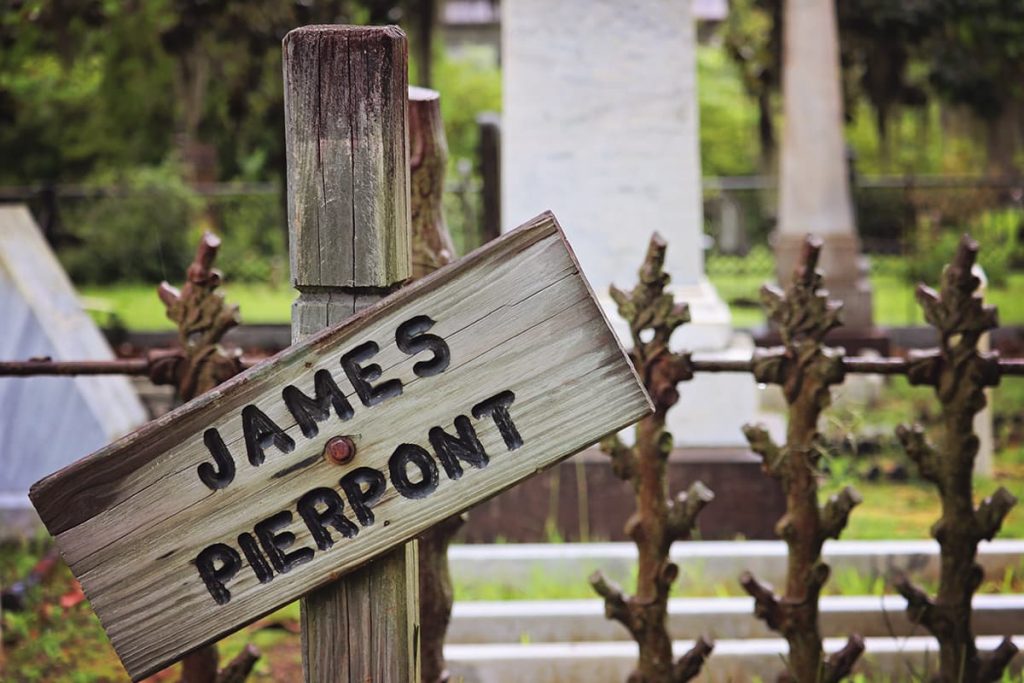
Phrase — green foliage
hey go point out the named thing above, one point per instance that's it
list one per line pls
(468, 86)
(46, 642)
(877, 40)
(75, 97)
(148, 228)
(900, 61)
(139, 309)
(98, 85)
(917, 143)
(849, 581)
(255, 242)
(753, 41)
(981, 60)
(728, 120)
(999, 232)
(139, 237)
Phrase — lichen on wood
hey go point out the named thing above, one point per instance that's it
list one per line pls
(959, 372)
(659, 521)
(805, 369)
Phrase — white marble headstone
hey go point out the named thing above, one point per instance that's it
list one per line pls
(48, 422)
(600, 125)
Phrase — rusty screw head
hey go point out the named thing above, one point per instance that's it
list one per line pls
(339, 450)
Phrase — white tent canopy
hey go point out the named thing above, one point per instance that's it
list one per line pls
(48, 422)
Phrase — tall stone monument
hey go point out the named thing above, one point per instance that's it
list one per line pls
(600, 125)
(814, 183)
(48, 422)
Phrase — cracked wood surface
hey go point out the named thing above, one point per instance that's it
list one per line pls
(348, 177)
(348, 240)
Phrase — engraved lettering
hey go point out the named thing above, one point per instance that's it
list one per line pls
(497, 408)
(218, 564)
(308, 411)
(275, 542)
(363, 376)
(363, 487)
(224, 473)
(412, 339)
(260, 432)
(257, 562)
(317, 520)
(465, 447)
(398, 464)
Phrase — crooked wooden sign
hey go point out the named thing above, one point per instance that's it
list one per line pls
(452, 390)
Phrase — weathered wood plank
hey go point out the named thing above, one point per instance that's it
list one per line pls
(305, 184)
(517, 316)
(345, 111)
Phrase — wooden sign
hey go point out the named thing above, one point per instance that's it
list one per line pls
(451, 391)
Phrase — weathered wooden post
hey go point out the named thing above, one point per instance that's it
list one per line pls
(428, 163)
(348, 226)
(431, 249)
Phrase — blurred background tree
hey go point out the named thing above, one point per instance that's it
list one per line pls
(167, 96)
(87, 85)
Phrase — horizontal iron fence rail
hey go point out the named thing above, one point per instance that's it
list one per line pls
(1012, 367)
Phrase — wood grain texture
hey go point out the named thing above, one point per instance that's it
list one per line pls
(360, 249)
(345, 133)
(335, 617)
(428, 162)
(517, 316)
(369, 606)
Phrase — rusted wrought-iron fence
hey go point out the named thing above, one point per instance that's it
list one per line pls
(805, 367)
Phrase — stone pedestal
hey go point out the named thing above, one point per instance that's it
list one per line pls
(581, 499)
(814, 183)
(600, 125)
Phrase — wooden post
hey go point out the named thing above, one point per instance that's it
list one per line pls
(489, 156)
(431, 249)
(348, 227)
(428, 163)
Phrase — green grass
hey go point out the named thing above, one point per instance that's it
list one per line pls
(908, 510)
(894, 303)
(137, 307)
(737, 279)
